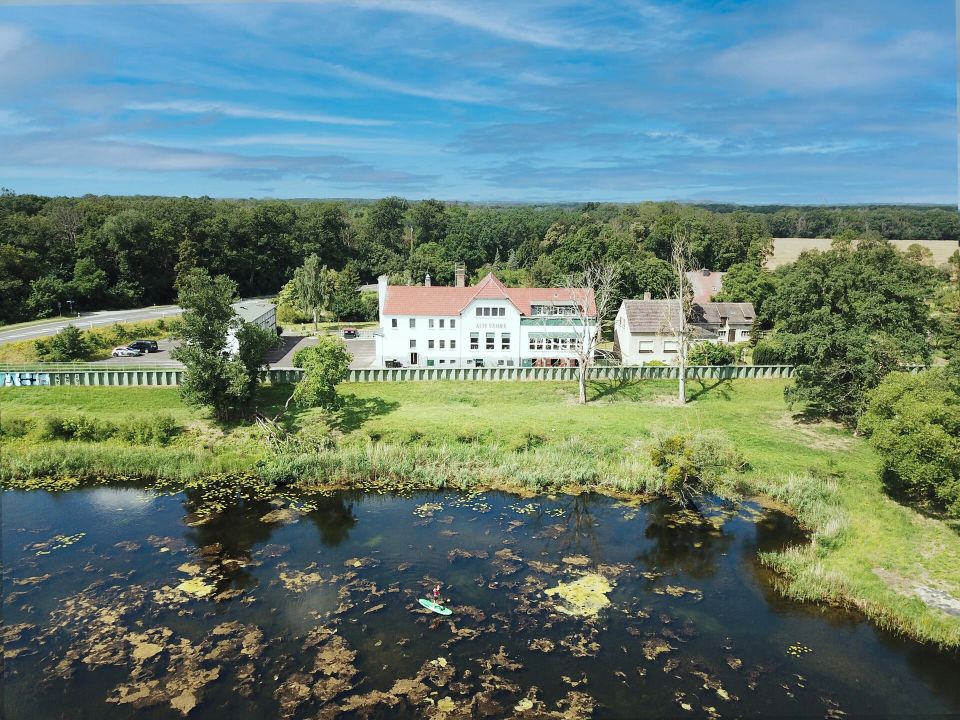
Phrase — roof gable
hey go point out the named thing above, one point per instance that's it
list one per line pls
(654, 316)
(452, 301)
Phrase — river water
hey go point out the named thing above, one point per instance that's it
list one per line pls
(123, 603)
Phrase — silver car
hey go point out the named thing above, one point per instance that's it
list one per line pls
(124, 351)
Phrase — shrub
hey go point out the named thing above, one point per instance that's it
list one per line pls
(691, 463)
(157, 430)
(913, 421)
(81, 428)
(290, 314)
(67, 345)
(15, 427)
(711, 353)
(768, 351)
(655, 363)
(528, 441)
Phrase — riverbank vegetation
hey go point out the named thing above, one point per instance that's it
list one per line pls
(867, 550)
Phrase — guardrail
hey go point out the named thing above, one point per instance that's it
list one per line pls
(87, 366)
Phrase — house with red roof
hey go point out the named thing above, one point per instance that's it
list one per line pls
(483, 325)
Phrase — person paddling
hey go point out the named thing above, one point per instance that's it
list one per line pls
(434, 602)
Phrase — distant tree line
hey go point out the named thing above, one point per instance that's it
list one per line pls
(891, 222)
(96, 252)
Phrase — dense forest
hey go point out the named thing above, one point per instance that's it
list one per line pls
(103, 251)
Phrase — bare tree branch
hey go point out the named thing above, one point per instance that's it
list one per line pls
(593, 292)
(682, 293)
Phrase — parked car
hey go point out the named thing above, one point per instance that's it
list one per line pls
(393, 364)
(147, 346)
(350, 332)
(124, 351)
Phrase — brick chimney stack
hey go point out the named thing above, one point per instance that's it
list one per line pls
(461, 276)
(646, 295)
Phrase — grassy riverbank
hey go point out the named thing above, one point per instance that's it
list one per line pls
(868, 551)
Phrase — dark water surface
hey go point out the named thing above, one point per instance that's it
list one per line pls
(117, 604)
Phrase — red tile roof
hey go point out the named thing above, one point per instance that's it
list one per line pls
(706, 284)
(442, 300)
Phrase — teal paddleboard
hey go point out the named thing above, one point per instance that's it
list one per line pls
(439, 609)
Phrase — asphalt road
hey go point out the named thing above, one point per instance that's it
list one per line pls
(363, 352)
(86, 321)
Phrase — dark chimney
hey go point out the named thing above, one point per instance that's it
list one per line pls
(646, 295)
(426, 280)
(461, 275)
(706, 273)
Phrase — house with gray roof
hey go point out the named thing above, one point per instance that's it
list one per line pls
(645, 330)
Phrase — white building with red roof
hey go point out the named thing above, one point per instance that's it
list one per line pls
(484, 325)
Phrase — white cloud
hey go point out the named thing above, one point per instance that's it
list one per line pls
(207, 107)
(12, 39)
(824, 60)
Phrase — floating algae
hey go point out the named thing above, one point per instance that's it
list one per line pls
(57, 542)
(196, 587)
(297, 581)
(284, 516)
(584, 597)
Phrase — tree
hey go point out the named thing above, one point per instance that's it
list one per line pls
(948, 326)
(345, 302)
(215, 379)
(747, 282)
(429, 220)
(682, 294)
(68, 345)
(913, 421)
(593, 291)
(847, 317)
(314, 286)
(325, 365)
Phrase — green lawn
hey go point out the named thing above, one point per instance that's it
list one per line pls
(868, 551)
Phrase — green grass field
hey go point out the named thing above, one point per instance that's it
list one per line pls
(867, 551)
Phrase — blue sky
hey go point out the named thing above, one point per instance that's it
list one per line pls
(527, 100)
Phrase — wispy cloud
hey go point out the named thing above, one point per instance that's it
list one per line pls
(500, 20)
(51, 150)
(822, 60)
(207, 107)
(383, 145)
(464, 91)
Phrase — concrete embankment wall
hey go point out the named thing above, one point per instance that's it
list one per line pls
(120, 376)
